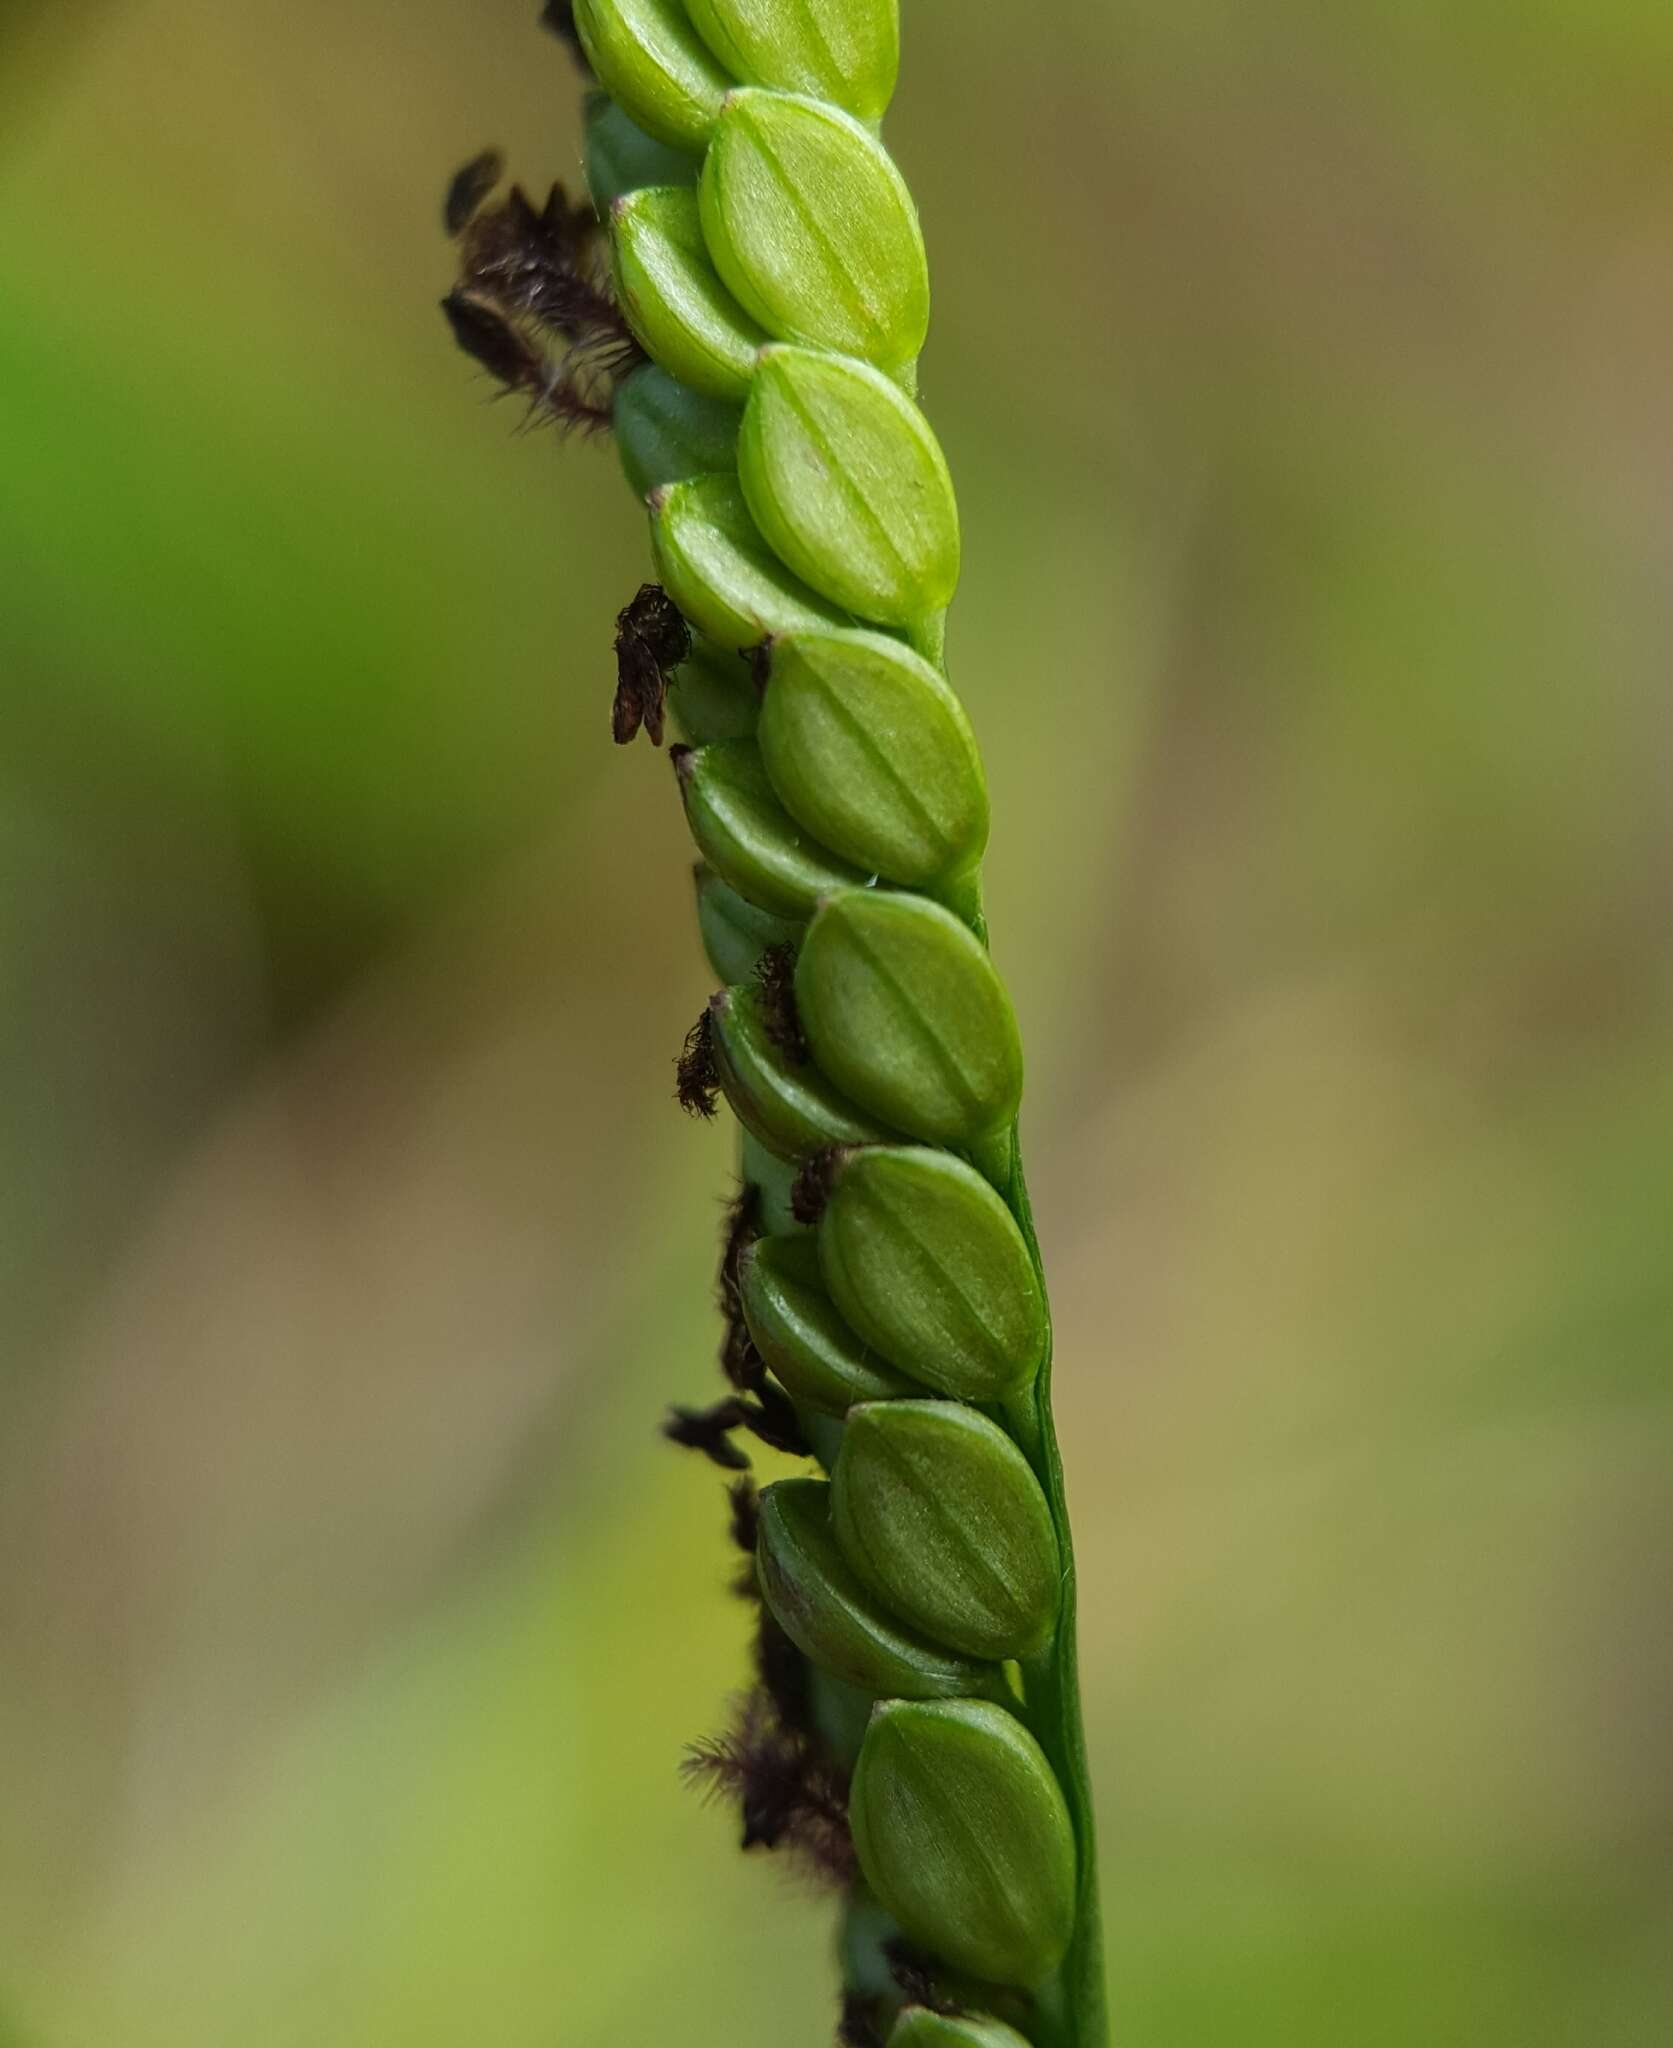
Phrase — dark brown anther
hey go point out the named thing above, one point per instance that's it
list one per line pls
(520, 365)
(739, 1360)
(783, 1671)
(814, 1185)
(760, 659)
(772, 1417)
(861, 2025)
(697, 1078)
(709, 1430)
(468, 187)
(743, 1525)
(559, 17)
(533, 303)
(917, 1976)
(652, 639)
(543, 264)
(488, 338)
(790, 1794)
(775, 979)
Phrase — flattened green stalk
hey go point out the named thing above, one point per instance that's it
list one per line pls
(886, 1310)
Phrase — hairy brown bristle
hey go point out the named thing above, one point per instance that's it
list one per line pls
(697, 1078)
(533, 303)
(789, 1793)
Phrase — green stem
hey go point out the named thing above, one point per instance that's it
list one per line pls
(1073, 2009)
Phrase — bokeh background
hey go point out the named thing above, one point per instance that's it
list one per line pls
(1306, 377)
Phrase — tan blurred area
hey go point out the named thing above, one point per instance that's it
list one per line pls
(1305, 379)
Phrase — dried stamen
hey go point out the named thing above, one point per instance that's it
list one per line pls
(468, 187)
(697, 1079)
(775, 980)
(739, 1359)
(815, 1184)
(790, 1794)
(652, 639)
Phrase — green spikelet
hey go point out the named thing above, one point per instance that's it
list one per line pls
(886, 1310)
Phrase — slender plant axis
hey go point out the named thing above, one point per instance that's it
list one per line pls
(742, 301)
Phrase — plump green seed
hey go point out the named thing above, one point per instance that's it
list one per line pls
(666, 434)
(937, 1510)
(842, 50)
(962, 1831)
(787, 1103)
(747, 836)
(714, 697)
(830, 1616)
(650, 58)
(918, 2027)
(868, 747)
(620, 156)
(812, 227)
(905, 1012)
(735, 933)
(673, 297)
(721, 572)
(798, 1331)
(846, 480)
(925, 1262)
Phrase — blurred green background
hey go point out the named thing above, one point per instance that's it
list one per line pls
(1306, 377)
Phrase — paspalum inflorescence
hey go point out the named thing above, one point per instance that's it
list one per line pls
(743, 302)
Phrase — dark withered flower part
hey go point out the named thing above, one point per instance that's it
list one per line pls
(490, 339)
(775, 978)
(559, 17)
(789, 1793)
(659, 623)
(698, 1081)
(742, 1364)
(469, 187)
(772, 1417)
(917, 1976)
(652, 639)
(782, 1670)
(760, 663)
(543, 265)
(861, 2024)
(812, 1187)
(709, 1430)
(559, 393)
(743, 1524)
